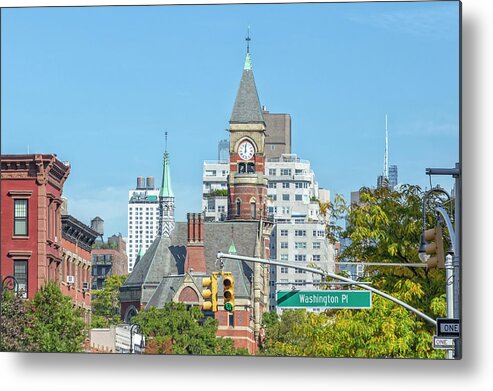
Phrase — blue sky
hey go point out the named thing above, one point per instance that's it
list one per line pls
(100, 86)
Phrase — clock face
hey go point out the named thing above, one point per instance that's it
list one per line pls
(246, 150)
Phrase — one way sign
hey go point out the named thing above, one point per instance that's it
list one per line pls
(448, 327)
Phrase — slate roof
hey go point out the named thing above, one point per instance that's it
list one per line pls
(247, 105)
(160, 272)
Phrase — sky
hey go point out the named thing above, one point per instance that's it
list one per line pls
(99, 86)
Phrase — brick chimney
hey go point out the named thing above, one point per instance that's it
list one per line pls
(195, 244)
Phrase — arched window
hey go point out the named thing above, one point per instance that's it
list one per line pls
(242, 168)
(253, 209)
(238, 207)
(250, 168)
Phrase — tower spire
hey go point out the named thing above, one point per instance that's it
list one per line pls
(386, 157)
(166, 197)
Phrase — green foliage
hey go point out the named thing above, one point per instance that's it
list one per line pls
(218, 193)
(176, 329)
(106, 303)
(385, 226)
(15, 319)
(56, 326)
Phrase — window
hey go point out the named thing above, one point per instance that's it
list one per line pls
(272, 171)
(285, 197)
(284, 244)
(298, 185)
(221, 208)
(300, 257)
(284, 270)
(231, 320)
(284, 232)
(298, 197)
(238, 207)
(272, 185)
(285, 171)
(20, 217)
(284, 257)
(298, 271)
(253, 209)
(300, 245)
(316, 245)
(300, 232)
(316, 258)
(20, 274)
(285, 185)
(298, 172)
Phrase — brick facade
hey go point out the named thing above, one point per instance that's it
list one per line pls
(34, 183)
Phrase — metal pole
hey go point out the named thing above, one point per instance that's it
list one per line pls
(449, 281)
(457, 256)
(324, 273)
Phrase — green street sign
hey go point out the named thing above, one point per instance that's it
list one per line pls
(324, 299)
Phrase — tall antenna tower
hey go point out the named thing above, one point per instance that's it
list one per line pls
(386, 157)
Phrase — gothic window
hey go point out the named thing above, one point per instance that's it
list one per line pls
(251, 168)
(253, 209)
(241, 168)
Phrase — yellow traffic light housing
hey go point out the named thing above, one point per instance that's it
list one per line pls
(434, 247)
(229, 291)
(209, 293)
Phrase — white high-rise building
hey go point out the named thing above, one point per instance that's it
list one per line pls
(299, 234)
(143, 218)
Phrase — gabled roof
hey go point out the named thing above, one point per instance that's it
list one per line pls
(162, 266)
(247, 105)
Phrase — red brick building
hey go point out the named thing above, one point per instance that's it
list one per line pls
(75, 272)
(31, 189)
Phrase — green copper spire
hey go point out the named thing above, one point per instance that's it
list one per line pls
(248, 60)
(248, 63)
(166, 190)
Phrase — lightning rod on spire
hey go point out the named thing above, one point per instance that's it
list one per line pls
(248, 39)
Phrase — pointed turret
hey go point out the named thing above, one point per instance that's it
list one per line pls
(247, 105)
(166, 190)
(166, 198)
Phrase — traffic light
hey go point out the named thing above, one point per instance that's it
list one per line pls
(434, 247)
(229, 292)
(209, 293)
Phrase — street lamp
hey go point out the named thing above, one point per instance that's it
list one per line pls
(136, 327)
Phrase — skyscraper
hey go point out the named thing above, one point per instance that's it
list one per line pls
(143, 218)
(393, 178)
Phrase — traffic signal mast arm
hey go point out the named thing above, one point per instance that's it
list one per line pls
(328, 274)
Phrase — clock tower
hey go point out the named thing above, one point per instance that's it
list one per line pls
(247, 183)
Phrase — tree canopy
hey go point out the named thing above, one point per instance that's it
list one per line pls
(176, 329)
(57, 325)
(106, 303)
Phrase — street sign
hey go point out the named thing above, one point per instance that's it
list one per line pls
(447, 327)
(443, 342)
(324, 299)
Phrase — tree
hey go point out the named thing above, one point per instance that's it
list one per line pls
(15, 319)
(57, 326)
(176, 329)
(106, 303)
(385, 226)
